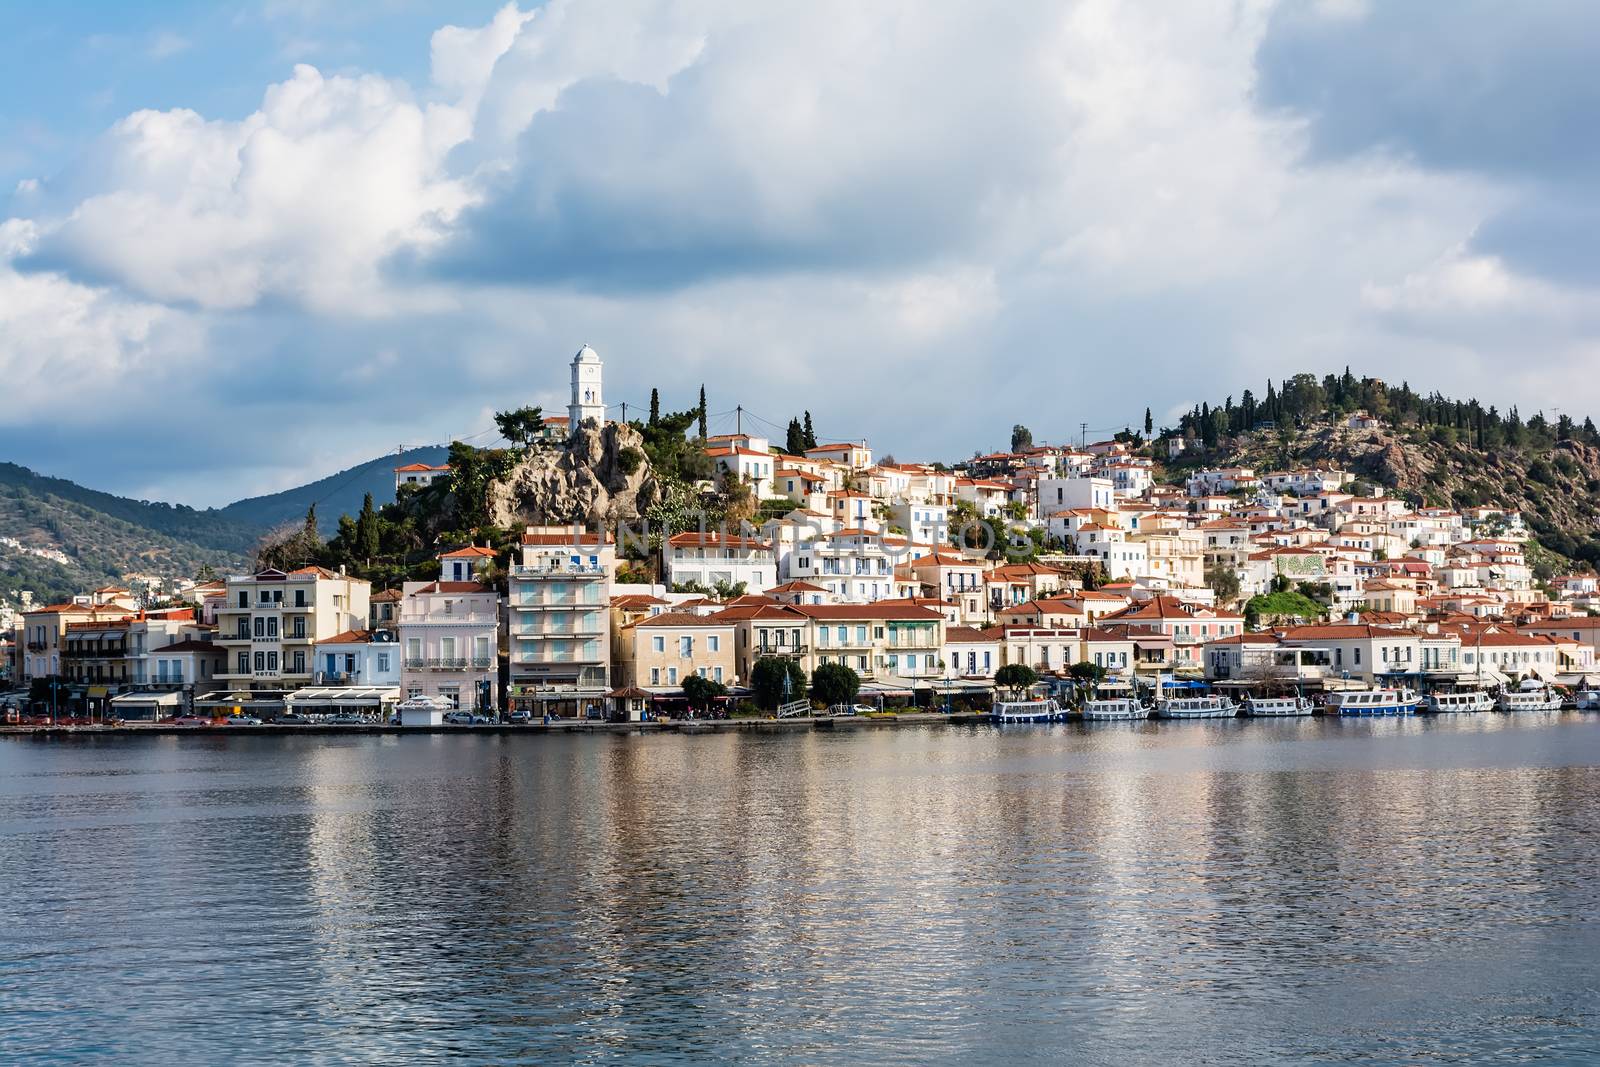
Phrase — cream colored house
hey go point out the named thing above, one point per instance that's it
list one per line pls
(660, 651)
(270, 622)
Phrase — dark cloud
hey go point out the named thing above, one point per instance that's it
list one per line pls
(1475, 85)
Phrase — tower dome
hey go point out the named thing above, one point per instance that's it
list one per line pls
(587, 401)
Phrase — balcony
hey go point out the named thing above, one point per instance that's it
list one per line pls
(535, 660)
(782, 650)
(422, 618)
(588, 633)
(431, 664)
(569, 602)
(37, 646)
(557, 570)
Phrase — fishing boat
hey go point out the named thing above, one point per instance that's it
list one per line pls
(1530, 696)
(1025, 711)
(1460, 700)
(1374, 702)
(1207, 707)
(1277, 707)
(1118, 708)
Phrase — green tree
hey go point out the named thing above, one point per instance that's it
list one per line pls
(794, 441)
(701, 411)
(811, 435)
(1224, 581)
(523, 427)
(1149, 424)
(1086, 672)
(767, 678)
(1017, 677)
(702, 693)
(655, 407)
(1021, 438)
(367, 530)
(834, 683)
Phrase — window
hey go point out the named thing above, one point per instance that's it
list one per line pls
(299, 661)
(717, 673)
(658, 644)
(383, 662)
(244, 663)
(261, 661)
(714, 643)
(685, 647)
(672, 676)
(244, 599)
(655, 675)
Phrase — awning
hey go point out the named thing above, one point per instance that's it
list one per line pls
(161, 700)
(344, 696)
(241, 700)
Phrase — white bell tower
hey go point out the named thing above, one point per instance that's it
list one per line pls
(587, 402)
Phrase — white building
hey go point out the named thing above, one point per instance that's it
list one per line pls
(712, 559)
(588, 403)
(1069, 494)
(449, 632)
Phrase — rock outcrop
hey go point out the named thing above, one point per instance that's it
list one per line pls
(601, 475)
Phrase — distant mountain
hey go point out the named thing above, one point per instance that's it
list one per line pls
(337, 494)
(58, 538)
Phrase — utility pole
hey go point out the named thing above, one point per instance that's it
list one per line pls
(1083, 434)
(738, 420)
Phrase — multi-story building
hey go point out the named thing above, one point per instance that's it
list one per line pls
(560, 652)
(662, 650)
(713, 560)
(450, 635)
(271, 621)
(876, 639)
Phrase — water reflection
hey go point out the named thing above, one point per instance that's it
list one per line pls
(1411, 890)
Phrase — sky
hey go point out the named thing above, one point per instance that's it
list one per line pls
(245, 244)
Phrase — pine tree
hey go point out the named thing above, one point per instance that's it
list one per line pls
(367, 529)
(1149, 423)
(795, 441)
(702, 414)
(310, 530)
(655, 407)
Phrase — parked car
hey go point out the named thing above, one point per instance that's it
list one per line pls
(292, 719)
(242, 720)
(459, 718)
(191, 720)
(519, 717)
(348, 719)
(850, 709)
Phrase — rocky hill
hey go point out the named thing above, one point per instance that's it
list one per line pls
(601, 475)
(1555, 484)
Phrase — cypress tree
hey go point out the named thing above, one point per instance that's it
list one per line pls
(655, 407)
(702, 414)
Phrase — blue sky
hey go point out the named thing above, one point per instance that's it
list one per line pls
(258, 241)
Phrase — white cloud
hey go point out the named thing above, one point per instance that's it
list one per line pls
(925, 221)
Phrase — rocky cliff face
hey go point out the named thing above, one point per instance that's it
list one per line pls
(600, 476)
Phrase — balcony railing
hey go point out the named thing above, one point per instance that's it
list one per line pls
(419, 618)
(782, 650)
(459, 664)
(587, 632)
(530, 660)
(554, 570)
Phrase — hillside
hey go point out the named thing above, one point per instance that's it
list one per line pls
(337, 494)
(55, 542)
(1428, 450)
(58, 538)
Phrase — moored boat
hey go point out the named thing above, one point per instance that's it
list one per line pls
(1210, 707)
(1588, 700)
(1373, 702)
(1025, 711)
(1530, 696)
(1119, 708)
(1276, 707)
(1460, 700)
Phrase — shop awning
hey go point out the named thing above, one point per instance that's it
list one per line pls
(161, 700)
(241, 700)
(344, 696)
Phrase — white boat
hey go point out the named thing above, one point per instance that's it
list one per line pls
(1460, 700)
(1530, 696)
(1589, 700)
(1277, 707)
(1025, 711)
(1374, 702)
(1119, 708)
(1197, 708)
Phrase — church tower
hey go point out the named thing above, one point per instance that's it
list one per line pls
(587, 403)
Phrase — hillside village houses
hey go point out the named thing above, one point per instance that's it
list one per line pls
(870, 563)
